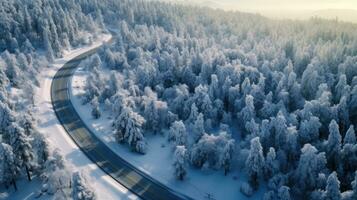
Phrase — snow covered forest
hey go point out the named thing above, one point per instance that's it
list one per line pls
(32, 35)
(231, 91)
(277, 97)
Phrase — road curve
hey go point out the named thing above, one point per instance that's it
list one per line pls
(120, 170)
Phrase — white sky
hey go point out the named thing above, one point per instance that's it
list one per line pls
(285, 4)
(344, 10)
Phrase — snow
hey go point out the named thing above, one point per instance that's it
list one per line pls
(158, 161)
(48, 124)
(26, 190)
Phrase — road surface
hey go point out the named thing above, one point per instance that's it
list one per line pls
(120, 170)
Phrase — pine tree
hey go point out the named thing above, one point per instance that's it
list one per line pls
(226, 156)
(198, 128)
(47, 44)
(81, 190)
(95, 108)
(42, 149)
(255, 162)
(284, 193)
(309, 130)
(333, 147)
(311, 163)
(332, 188)
(350, 137)
(6, 117)
(193, 114)
(22, 148)
(8, 169)
(152, 117)
(180, 162)
(271, 164)
(178, 133)
(354, 186)
(128, 127)
(343, 113)
(248, 112)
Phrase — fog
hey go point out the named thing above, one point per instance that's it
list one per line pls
(343, 10)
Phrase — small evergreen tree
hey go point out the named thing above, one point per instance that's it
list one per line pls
(332, 188)
(255, 162)
(333, 147)
(81, 190)
(180, 157)
(8, 169)
(350, 137)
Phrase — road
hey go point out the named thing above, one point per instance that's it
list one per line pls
(120, 170)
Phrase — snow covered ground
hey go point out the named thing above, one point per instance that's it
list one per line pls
(199, 184)
(105, 187)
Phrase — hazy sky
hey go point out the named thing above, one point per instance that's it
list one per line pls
(286, 4)
(345, 10)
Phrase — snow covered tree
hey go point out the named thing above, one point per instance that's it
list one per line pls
(265, 134)
(309, 130)
(178, 133)
(128, 128)
(255, 162)
(311, 163)
(310, 81)
(180, 157)
(248, 112)
(212, 151)
(95, 112)
(193, 114)
(95, 108)
(22, 148)
(58, 183)
(271, 164)
(6, 117)
(354, 186)
(247, 189)
(152, 116)
(226, 156)
(332, 188)
(42, 151)
(350, 137)
(340, 88)
(333, 147)
(343, 114)
(81, 190)
(8, 169)
(291, 147)
(49, 51)
(284, 193)
(279, 130)
(198, 128)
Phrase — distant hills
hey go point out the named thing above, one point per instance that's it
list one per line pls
(348, 15)
(340, 14)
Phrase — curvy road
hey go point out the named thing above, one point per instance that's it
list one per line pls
(120, 170)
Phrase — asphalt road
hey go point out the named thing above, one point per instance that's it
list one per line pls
(120, 170)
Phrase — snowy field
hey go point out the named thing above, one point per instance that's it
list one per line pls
(105, 187)
(157, 162)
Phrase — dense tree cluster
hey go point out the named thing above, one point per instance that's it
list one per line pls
(285, 91)
(32, 34)
(52, 25)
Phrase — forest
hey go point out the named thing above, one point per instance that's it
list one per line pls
(32, 35)
(277, 97)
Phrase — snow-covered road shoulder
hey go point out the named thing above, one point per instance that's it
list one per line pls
(48, 124)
